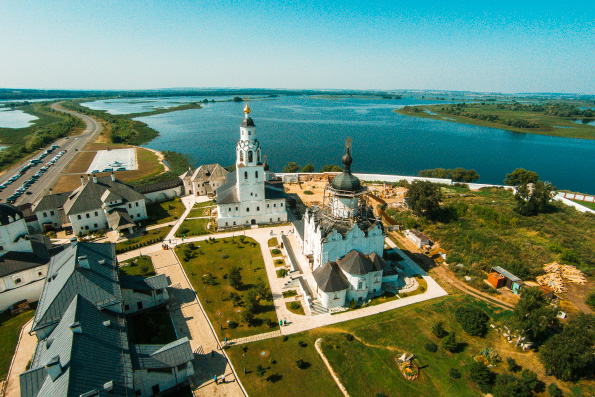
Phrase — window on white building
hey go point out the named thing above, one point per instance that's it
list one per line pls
(78, 217)
(257, 209)
(247, 209)
(246, 175)
(360, 284)
(45, 214)
(95, 225)
(250, 157)
(96, 213)
(17, 281)
(136, 204)
(88, 215)
(281, 204)
(52, 213)
(256, 174)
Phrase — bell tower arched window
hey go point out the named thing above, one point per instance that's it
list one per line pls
(250, 157)
(241, 155)
(246, 175)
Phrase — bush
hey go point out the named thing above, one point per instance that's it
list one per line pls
(480, 374)
(308, 192)
(450, 342)
(295, 305)
(353, 304)
(260, 371)
(530, 379)
(284, 338)
(590, 300)
(282, 273)
(431, 347)
(272, 361)
(438, 330)
(472, 319)
(276, 251)
(224, 256)
(349, 337)
(512, 365)
(454, 373)
(302, 343)
(232, 324)
(299, 363)
(554, 390)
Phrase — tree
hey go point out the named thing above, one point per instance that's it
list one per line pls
(423, 197)
(252, 300)
(264, 292)
(247, 315)
(235, 277)
(530, 379)
(331, 168)
(521, 176)
(590, 300)
(291, 167)
(554, 390)
(569, 354)
(450, 342)
(237, 99)
(533, 199)
(480, 374)
(472, 319)
(308, 168)
(519, 269)
(260, 371)
(509, 385)
(533, 315)
(512, 365)
(438, 330)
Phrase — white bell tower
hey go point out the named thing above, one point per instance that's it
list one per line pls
(250, 172)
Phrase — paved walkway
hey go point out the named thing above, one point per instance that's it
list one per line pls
(190, 320)
(24, 352)
(254, 338)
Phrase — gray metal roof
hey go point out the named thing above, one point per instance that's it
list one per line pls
(356, 263)
(14, 262)
(119, 218)
(8, 212)
(208, 172)
(330, 278)
(157, 186)
(89, 360)
(66, 277)
(52, 202)
(89, 196)
(506, 273)
(144, 283)
(161, 356)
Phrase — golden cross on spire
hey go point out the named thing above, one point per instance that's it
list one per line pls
(348, 142)
(247, 108)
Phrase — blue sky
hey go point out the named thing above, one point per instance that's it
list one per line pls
(503, 46)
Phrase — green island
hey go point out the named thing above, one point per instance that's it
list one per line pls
(555, 119)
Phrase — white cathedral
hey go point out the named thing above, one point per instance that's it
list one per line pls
(344, 243)
(251, 195)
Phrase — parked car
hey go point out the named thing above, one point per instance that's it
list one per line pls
(121, 169)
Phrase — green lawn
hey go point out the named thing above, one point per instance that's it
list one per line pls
(165, 212)
(195, 227)
(201, 209)
(299, 310)
(10, 328)
(366, 365)
(135, 243)
(153, 326)
(279, 262)
(586, 204)
(217, 257)
(139, 266)
(273, 242)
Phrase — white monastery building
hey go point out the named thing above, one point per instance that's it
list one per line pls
(251, 194)
(344, 243)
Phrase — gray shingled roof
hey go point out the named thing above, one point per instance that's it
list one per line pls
(89, 359)
(157, 186)
(66, 277)
(52, 202)
(119, 219)
(89, 197)
(14, 262)
(329, 278)
(356, 263)
(144, 283)
(161, 356)
(209, 171)
(378, 261)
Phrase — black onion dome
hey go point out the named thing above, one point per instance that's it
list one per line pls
(345, 180)
(8, 210)
(266, 166)
(247, 122)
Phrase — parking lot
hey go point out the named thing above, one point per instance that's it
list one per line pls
(113, 160)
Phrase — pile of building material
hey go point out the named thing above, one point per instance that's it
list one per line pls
(556, 274)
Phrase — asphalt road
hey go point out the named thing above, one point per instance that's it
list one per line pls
(43, 184)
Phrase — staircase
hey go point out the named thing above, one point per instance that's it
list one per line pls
(317, 307)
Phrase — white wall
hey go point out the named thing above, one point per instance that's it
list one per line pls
(163, 195)
(332, 300)
(131, 298)
(9, 233)
(49, 216)
(144, 380)
(30, 291)
(263, 211)
(136, 209)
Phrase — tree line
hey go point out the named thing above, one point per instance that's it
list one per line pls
(457, 174)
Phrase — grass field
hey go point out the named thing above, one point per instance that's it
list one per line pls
(299, 310)
(273, 242)
(217, 258)
(366, 365)
(483, 230)
(200, 209)
(548, 124)
(10, 328)
(165, 212)
(195, 227)
(148, 167)
(158, 234)
(139, 266)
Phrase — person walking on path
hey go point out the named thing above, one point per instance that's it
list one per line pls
(223, 379)
(215, 379)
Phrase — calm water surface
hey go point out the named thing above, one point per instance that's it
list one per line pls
(15, 118)
(313, 130)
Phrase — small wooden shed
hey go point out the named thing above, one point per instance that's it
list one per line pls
(496, 280)
(510, 280)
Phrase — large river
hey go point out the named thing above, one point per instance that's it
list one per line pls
(313, 130)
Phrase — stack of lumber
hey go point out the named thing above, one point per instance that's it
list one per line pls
(557, 273)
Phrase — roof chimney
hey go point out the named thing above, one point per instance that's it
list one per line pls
(83, 262)
(113, 177)
(94, 179)
(54, 368)
(107, 323)
(76, 328)
(51, 191)
(108, 386)
(74, 240)
(82, 181)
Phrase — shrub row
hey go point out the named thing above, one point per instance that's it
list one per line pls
(137, 246)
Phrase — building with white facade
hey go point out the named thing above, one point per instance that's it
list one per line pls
(23, 259)
(205, 180)
(344, 242)
(251, 194)
(99, 203)
(83, 346)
